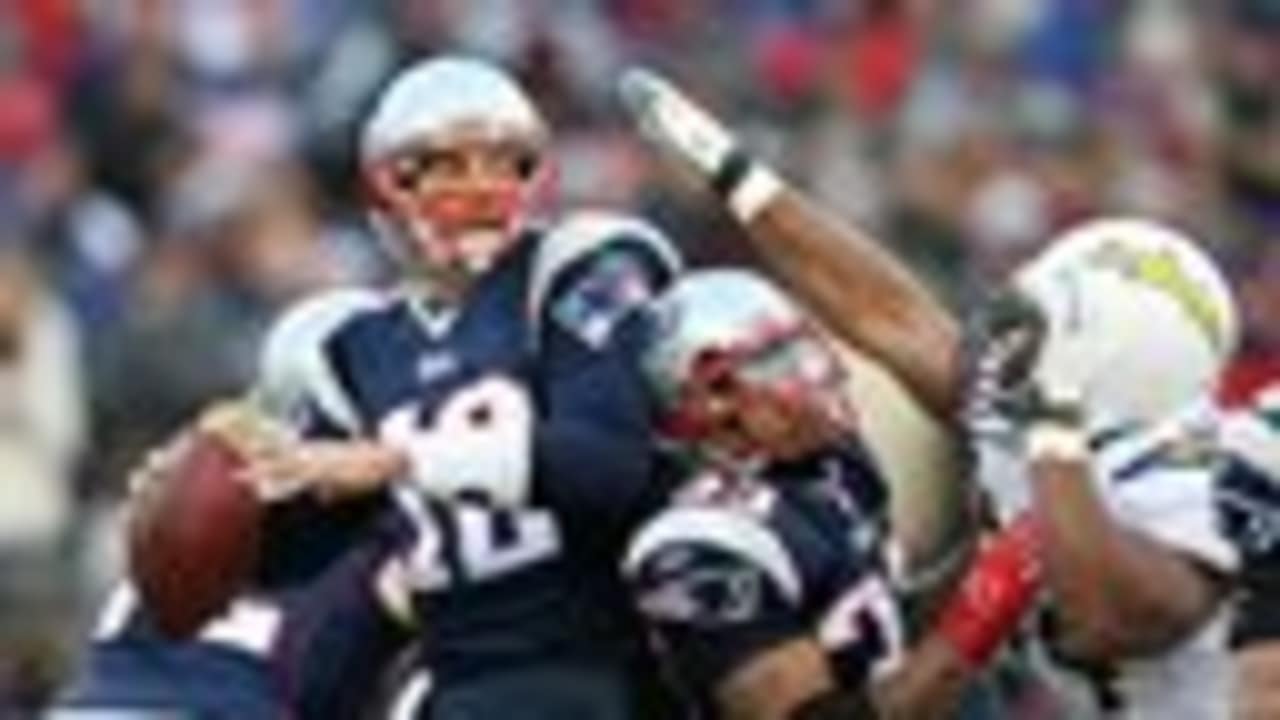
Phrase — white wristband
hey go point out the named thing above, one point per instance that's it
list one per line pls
(760, 186)
(1053, 441)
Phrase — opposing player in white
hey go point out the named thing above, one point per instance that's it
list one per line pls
(1091, 390)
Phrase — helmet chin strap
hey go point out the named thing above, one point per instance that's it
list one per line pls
(477, 251)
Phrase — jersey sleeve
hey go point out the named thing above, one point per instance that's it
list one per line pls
(299, 383)
(592, 448)
(717, 587)
(1163, 483)
(338, 640)
(299, 377)
(594, 270)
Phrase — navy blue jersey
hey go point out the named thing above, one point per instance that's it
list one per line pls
(496, 584)
(519, 568)
(734, 567)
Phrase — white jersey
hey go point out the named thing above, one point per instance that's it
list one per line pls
(1158, 480)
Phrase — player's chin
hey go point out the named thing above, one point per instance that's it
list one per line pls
(471, 251)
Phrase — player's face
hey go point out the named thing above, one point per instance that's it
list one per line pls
(459, 200)
(779, 402)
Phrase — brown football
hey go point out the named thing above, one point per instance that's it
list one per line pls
(193, 536)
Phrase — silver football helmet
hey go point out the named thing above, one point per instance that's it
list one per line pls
(437, 210)
(728, 346)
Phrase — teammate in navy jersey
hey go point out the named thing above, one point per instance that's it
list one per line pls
(477, 438)
(768, 578)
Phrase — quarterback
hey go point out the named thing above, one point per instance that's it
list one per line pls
(426, 430)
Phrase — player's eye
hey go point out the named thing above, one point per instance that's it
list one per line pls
(526, 165)
(407, 171)
(506, 160)
(411, 168)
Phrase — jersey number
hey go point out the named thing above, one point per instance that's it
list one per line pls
(866, 620)
(489, 543)
(477, 441)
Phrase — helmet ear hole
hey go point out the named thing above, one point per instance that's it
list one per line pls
(527, 165)
(406, 174)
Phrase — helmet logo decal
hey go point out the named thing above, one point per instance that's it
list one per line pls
(1161, 270)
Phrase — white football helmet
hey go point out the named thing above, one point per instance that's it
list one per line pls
(1139, 319)
(430, 107)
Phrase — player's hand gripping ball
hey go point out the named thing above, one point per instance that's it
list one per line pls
(194, 526)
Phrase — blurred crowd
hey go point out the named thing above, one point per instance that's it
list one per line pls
(172, 172)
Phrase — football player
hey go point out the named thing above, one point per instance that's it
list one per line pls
(1249, 496)
(1096, 369)
(440, 421)
(768, 577)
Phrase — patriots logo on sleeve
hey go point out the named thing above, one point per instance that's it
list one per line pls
(697, 586)
(615, 285)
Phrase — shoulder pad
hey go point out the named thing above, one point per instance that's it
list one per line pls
(589, 236)
(293, 371)
(1186, 443)
(710, 566)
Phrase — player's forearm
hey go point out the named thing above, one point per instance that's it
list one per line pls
(864, 294)
(599, 471)
(338, 645)
(983, 611)
(1258, 682)
(777, 684)
(1118, 594)
(929, 685)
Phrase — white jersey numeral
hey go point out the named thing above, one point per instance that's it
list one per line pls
(534, 536)
(490, 543)
(868, 604)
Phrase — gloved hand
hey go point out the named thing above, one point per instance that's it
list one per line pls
(686, 132)
(1027, 370)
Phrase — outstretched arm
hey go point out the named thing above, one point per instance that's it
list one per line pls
(983, 611)
(863, 293)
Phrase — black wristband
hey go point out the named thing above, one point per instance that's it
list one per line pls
(731, 173)
(837, 704)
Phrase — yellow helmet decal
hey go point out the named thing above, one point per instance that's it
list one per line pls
(1161, 270)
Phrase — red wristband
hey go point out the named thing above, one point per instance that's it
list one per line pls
(999, 586)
